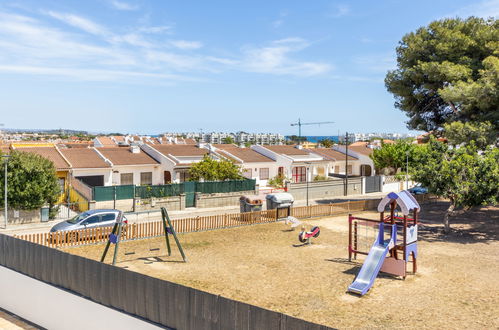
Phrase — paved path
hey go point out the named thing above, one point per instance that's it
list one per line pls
(145, 216)
(12, 322)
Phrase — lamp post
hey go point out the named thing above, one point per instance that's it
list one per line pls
(6, 216)
(308, 171)
(407, 169)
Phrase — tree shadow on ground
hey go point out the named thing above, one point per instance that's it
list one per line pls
(478, 225)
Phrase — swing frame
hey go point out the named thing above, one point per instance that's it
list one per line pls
(117, 230)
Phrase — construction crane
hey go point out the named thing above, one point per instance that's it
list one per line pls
(300, 124)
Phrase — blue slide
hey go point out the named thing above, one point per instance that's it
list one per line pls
(370, 269)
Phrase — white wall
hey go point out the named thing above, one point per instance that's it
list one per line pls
(255, 171)
(53, 308)
(107, 173)
(157, 174)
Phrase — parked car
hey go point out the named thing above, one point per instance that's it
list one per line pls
(87, 220)
(418, 190)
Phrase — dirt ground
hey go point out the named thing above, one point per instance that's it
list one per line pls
(456, 285)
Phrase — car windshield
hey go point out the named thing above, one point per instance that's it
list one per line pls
(78, 218)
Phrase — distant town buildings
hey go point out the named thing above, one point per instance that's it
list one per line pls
(239, 138)
(355, 137)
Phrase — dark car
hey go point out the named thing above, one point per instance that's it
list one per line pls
(418, 190)
(88, 220)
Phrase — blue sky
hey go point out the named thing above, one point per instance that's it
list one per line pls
(145, 66)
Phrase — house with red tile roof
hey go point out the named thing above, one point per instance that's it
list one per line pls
(364, 165)
(51, 152)
(176, 159)
(131, 165)
(294, 162)
(88, 166)
(254, 165)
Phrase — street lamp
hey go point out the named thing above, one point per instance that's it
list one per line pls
(407, 169)
(308, 171)
(5, 191)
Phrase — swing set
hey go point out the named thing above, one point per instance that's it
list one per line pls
(115, 236)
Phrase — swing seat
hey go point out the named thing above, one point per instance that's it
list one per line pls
(113, 238)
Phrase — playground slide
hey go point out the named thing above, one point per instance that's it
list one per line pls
(370, 269)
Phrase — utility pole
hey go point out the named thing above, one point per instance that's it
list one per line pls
(6, 214)
(300, 124)
(346, 163)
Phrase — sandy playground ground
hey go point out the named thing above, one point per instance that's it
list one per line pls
(456, 285)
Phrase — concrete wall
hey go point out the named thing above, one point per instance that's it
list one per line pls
(220, 200)
(325, 189)
(54, 308)
(173, 203)
(19, 217)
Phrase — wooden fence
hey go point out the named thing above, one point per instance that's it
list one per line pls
(199, 223)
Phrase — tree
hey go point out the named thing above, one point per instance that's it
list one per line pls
(448, 71)
(210, 169)
(228, 140)
(326, 143)
(392, 156)
(458, 133)
(464, 176)
(32, 181)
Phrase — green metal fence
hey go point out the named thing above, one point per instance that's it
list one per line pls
(164, 190)
(213, 187)
(101, 194)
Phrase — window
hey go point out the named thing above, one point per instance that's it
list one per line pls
(146, 178)
(126, 178)
(247, 173)
(264, 174)
(108, 217)
(183, 176)
(91, 220)
(299, 174)
(280, 171)
(349, 169)
(337, 169)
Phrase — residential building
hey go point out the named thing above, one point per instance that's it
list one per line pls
(52, 153)
(88, 166)
(253, 164)
(356, 166)
(176, 160)
(293, 162)
(131, 165)
(362, 153)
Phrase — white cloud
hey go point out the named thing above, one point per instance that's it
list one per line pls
(280, 21)
(80, 23)
(96, 52)
(485, 9)
(339, 10)
(186, 45)
(275, 59)
(155, 29)
(120, 5)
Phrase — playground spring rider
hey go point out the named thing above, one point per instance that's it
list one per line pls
(306, 236)
(115, 236)
(377, 259)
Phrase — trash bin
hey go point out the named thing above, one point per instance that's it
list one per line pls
(250, 203)
(282, 202)
(279, 201)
